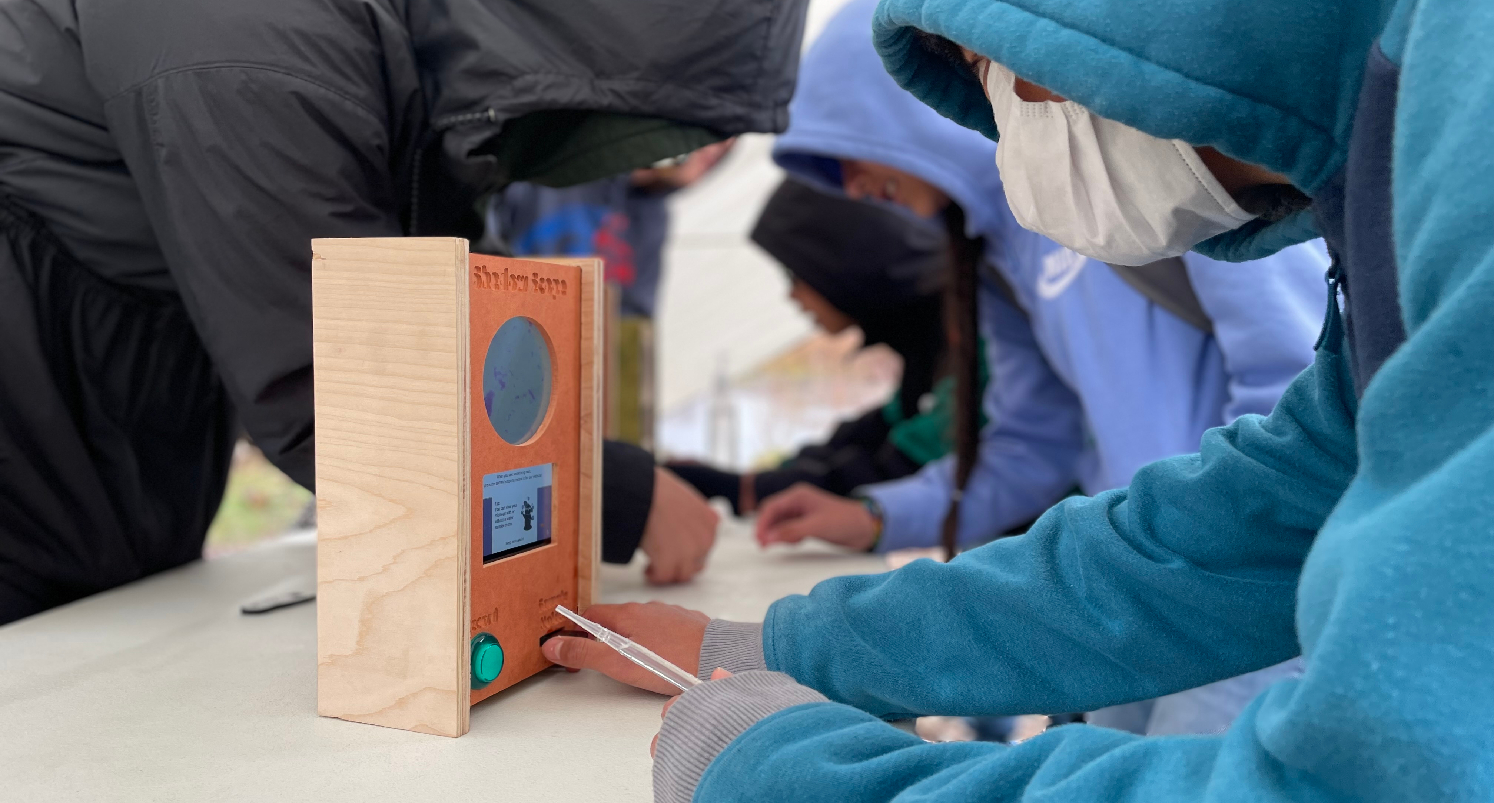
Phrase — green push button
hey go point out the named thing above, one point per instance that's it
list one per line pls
(487, 660)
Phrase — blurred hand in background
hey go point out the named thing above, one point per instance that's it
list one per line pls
(684, 171)
(680, 532)
(805, 511)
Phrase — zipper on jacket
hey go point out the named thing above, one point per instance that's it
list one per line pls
(432, 134)
(454, 120)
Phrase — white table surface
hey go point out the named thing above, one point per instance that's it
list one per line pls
(162, 690)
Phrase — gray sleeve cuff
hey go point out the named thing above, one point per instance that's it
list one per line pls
(705, 719)
(733, 646)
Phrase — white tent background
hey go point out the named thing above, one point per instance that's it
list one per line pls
(723, 303)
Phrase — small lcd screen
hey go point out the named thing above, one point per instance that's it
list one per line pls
(516, 511)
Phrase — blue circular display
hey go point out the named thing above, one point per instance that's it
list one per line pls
(516, 380)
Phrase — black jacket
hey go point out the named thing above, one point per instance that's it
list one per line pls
(627, 498)
(196, 146)
(164, 165)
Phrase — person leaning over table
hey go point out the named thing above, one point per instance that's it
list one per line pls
(852, 263)
(1092, 379)
(164, 167)
(1354, 524)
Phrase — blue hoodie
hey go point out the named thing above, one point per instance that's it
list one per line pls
(1355, 523)
(1090, 379)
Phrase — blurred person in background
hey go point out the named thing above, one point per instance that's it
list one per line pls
(164, 168)
(624, 220)
(852, 263)
(1090, 377)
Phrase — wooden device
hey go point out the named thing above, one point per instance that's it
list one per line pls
(458, 459)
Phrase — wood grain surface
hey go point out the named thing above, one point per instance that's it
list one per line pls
(593, 367)
(400, 334)
(390, 354)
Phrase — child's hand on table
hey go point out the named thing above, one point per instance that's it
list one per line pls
(679, 533)
(674, 633)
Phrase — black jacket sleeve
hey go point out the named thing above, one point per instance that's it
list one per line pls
(711, 482)
(858, 453)
(240, 167)
(627, 498)
(865, 433)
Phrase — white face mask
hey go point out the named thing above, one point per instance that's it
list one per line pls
(1102, 188)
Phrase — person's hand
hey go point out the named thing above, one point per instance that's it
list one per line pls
(679, 533)
(653, 745)
(805, 511)
(684, 173)
(673, 632)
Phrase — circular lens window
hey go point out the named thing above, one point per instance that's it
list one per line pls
(516, 380)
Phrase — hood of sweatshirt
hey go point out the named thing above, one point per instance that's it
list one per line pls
(884, 269)
(847, 107)
(1272, 82)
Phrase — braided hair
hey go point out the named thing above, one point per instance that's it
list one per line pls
(961, 314)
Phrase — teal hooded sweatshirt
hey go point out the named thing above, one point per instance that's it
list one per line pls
(1355, 524)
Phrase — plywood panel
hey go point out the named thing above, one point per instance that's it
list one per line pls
(612, 359)
(593, 366)
(390, 352)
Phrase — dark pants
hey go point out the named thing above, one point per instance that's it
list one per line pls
(115, 432)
